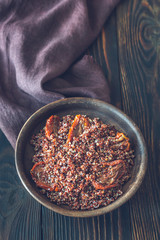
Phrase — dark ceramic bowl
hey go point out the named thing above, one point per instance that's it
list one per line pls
(93, 108)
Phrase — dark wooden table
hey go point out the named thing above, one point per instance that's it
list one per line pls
(128, 49)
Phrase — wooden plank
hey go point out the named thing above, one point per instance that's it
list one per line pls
(104, 51)
(118, 224)
(18, 211)
(139, 51)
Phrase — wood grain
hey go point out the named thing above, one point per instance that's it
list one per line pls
(128, 50)
(18, 211)
(105, 52)
(139, 48)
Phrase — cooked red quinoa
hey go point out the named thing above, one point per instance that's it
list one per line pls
(81, 162)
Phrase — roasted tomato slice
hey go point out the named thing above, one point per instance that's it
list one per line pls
(113, 177)
(97, 185)
(123, 141)
(80, 123)
(121, 137)
(115, 162)
(38, 175)
(52, 126)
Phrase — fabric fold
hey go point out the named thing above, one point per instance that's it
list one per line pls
(40, 45)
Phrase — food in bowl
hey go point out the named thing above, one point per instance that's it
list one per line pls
(81, 162)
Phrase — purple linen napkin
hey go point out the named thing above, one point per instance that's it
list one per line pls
(40, 45)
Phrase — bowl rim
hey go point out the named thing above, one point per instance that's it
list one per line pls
(84, 213)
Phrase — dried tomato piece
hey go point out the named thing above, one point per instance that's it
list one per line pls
(124, 141)
(117, 171)
(37, 173)
(113, 177)
(127, 146)
(80, 123)
(112, 163)
(52, 126)
(101, 187)
(120, 137)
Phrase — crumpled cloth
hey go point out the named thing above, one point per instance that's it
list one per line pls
(41, 49)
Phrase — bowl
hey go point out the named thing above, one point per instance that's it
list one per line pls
(92, 108)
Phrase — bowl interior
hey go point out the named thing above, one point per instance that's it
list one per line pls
(92, 108)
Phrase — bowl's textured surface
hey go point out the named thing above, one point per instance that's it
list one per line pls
(93, 108)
